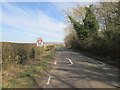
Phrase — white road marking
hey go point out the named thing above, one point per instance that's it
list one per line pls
(55, 62)
(70, 61)
(103, 64)
(91, 64)
(48, 82)
(87, 63)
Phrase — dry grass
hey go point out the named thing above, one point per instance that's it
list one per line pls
(17, 75)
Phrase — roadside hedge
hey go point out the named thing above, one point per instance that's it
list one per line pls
(19, 52)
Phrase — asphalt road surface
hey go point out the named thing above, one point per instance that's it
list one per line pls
(71, 69)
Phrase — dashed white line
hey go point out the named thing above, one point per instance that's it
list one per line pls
(48, 82)
(70, 61)
(55, 62)
(103, 64)
(87, 63)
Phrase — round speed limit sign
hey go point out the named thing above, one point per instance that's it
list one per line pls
(39, 42)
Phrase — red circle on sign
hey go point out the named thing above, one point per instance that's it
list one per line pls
(39, 40)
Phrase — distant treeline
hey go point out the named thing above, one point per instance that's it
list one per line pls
(95, 29)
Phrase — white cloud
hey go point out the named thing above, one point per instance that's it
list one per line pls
(35, 23)
(59, 0)
(0, 21)
(69, 5)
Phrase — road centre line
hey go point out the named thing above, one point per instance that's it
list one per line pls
(91, 64)
(87, 63)
(55, 62)
(70, 61)
(48, 82)
(101, 63)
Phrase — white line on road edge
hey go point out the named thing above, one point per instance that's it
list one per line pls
(48, 82)
(70, 61)
(55, 62)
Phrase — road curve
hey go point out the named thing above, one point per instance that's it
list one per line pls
(71, 69)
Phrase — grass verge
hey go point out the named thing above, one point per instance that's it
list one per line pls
(26, 74)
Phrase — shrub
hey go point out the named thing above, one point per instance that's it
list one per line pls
(49, 47)
(19, 52)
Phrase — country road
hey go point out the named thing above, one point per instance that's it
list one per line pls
(71, 69)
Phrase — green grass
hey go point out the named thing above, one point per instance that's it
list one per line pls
(0, 61)
(24, 79)
(0, 87)
(20, 82)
